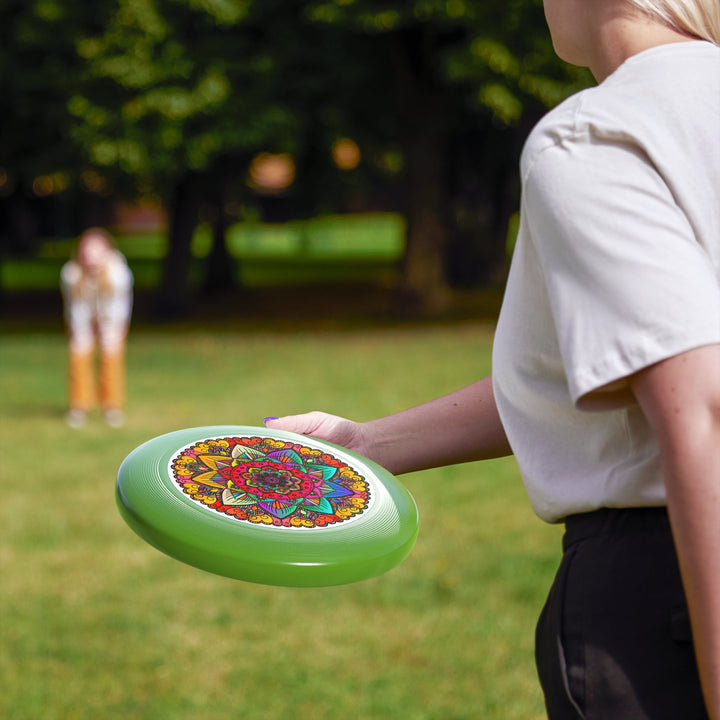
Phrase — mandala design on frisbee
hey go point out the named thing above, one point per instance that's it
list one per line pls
(270, 482)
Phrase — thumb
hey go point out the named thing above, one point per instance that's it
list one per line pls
(303, 424)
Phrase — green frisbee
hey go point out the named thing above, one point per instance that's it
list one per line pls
(267, 506)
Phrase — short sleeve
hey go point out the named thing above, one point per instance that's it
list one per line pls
(628, 282)
(70, 275)
(115, 300)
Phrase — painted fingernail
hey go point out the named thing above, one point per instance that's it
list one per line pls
(270, 417)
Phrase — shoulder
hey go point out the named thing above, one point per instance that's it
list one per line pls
(648, 105)
(593, 117)
(553, 130)
(116, 275)
(117, 267)
(70, 274)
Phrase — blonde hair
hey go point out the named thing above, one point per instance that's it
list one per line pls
(699, 18)
(97, 233)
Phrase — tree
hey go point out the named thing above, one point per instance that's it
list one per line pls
(460, 72)
(38, 69)
(175, 98)
(185, 93)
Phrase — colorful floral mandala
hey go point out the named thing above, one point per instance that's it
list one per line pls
(272, 482)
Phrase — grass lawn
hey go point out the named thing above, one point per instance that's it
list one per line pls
(97, 624)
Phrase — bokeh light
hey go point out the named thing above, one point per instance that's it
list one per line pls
(346, 154)
(271, 173)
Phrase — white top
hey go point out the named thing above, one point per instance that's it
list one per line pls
(97, 308)
(616, 267)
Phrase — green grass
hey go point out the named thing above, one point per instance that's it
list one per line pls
(97, 624)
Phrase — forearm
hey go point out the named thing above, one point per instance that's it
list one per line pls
(693, 496)
(460, 427)
(681, 400)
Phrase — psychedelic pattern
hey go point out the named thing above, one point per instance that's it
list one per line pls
(270, 482)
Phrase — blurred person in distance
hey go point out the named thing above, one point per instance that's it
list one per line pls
(97, 295)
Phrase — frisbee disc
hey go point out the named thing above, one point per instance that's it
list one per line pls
(266, 506)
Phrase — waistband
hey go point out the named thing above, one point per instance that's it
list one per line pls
(607, 521)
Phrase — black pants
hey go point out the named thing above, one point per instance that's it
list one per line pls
(613, 641)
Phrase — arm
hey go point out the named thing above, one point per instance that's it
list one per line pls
(459, 427)
(681, 400)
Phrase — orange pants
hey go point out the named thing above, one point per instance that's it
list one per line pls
(84, 393)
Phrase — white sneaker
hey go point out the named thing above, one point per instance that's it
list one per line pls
(75, 418)
(115, 418)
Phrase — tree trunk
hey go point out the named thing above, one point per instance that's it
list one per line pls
(485, 194)
(424, 144)
(220, 266)
(424, 276)
(175, 295)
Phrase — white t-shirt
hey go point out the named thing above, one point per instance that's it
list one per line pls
(616, 267)
(97, 308)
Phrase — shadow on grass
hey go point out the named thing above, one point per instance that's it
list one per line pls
(274, 309)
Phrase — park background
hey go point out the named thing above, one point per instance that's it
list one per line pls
(318, 200)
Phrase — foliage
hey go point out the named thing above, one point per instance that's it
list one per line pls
(153, 87)
(173, 84)
(39, 68)
(500, 53)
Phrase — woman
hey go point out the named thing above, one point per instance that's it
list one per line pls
(606, 365)
(97, 293)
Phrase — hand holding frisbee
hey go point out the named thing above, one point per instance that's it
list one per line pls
(267, 506)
